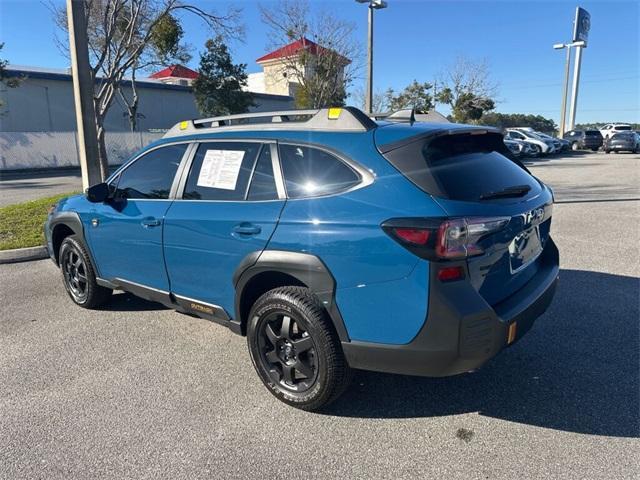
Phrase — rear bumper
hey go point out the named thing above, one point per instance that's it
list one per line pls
(462, 331)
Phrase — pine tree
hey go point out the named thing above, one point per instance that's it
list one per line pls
(218, 88)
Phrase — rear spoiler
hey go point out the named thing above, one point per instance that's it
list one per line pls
(461, 130)
(431, 134)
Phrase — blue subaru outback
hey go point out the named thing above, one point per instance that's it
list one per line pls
(331, 241)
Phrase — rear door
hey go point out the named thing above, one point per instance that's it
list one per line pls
(227, 207)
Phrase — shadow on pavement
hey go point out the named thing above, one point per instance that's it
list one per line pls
(126, 302)
(577, 370)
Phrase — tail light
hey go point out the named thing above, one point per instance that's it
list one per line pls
(443, 239)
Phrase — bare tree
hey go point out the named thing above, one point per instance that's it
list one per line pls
(379, 104)
(468, 89)
(165, 48)
(323, 67)
(121, 34)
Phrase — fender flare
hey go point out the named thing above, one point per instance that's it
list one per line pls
(306, 268)
(73, 221)
(69, 219)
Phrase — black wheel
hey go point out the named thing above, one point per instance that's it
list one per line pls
(295, 349)
(78, 275)
(594, 149)
(607, 151)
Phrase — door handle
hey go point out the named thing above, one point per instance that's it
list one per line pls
(247, 229)
(150, 222)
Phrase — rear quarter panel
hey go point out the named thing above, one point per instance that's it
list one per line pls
(381, 287)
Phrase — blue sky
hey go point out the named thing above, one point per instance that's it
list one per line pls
(417, 39)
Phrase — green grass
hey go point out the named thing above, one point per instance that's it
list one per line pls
(21, 224)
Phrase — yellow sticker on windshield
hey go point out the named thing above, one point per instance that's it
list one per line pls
(184, 125)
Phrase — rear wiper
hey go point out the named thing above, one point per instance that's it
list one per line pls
(515, 191)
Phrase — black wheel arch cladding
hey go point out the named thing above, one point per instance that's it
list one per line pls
(307, 269)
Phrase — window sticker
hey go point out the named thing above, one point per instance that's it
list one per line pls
(220, 169)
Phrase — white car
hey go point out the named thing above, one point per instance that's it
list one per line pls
(543, 146)
(612, 128)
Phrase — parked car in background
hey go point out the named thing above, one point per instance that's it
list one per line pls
(542, 147)
(515, 147)
(584, 139)
(521, 148)
(566, 144)
(557, 144)
(612, 128)
(622, 142)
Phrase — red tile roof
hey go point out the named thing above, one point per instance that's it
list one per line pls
(292, 49)
(176, 71)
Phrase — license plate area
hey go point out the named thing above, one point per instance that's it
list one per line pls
(524, 249)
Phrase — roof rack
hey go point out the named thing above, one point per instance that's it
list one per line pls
(343, 119)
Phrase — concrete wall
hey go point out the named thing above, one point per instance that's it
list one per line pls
(24, 150)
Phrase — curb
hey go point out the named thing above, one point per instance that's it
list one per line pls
(23, 254)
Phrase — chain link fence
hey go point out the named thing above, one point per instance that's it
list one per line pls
(25, 150)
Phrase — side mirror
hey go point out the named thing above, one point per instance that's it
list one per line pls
(98, 193)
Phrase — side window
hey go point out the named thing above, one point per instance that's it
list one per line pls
(310, 172)
(221, 171)
(263, 184)
(517, 135)
(151, 176)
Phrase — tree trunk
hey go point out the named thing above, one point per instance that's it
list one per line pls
(102, 150)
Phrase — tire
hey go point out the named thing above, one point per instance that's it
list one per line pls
(594, 149)
(607, 151)
(295, 349)
(78, 275)
(574, 146)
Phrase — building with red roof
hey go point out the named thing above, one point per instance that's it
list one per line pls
(280, 74)
(176, 75)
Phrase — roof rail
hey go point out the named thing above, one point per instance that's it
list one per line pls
(343, 119)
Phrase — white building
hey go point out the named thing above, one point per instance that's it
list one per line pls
(277, 77)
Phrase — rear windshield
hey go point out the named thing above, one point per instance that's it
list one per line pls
(622, 127)
(461, 167)
(592, 133)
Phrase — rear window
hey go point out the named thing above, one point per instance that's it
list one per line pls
(592, 133)
(461, 167)
(622, 127)
(310, 172)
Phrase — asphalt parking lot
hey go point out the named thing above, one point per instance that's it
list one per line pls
(24, 186)
(139, 391)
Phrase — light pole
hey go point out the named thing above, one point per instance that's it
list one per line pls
(563, 109)
(373, 5)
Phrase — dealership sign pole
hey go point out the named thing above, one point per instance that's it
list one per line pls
(581, 27)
